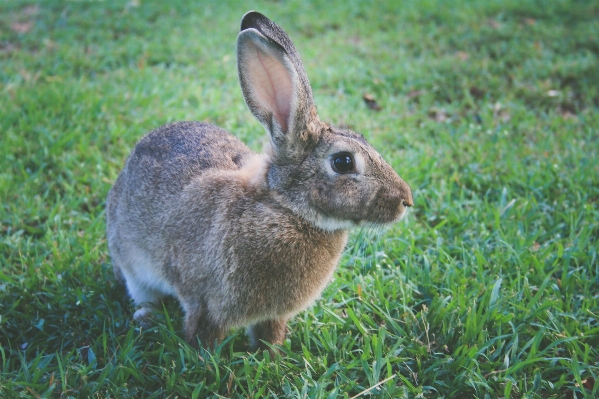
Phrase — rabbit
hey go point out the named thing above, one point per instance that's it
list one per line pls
(243, 239)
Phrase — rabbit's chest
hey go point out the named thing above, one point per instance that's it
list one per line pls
(278, 278)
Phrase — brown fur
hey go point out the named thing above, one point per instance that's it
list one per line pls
(245, 239)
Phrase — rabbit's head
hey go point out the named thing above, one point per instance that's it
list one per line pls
(330, 176)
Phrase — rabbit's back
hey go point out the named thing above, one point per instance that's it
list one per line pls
(164, 162)
(170, 156)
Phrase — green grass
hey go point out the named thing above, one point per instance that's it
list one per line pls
(489, 289)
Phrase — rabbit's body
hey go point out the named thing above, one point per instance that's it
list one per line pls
(245, 239)
(200, 205)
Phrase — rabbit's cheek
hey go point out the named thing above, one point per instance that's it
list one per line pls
(336, 200)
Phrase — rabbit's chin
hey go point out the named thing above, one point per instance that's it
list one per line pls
(333, 224)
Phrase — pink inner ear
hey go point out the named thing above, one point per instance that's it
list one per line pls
(271, 85)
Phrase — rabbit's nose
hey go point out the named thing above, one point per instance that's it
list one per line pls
(406, 194)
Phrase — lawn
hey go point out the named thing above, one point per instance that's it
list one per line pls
(488, 109)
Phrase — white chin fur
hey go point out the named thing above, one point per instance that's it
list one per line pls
(333, 224)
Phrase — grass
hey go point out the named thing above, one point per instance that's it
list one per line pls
(489, 289)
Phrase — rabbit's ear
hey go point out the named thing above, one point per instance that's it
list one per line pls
(274, 83)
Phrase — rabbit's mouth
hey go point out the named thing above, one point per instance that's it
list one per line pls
(384, 224)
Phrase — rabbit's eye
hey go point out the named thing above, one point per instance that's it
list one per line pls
(343, 162)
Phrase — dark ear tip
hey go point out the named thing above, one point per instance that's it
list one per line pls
(252, 19)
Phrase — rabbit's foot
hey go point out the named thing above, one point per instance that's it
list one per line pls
(271, 331)
(143, 316)
(199, 325)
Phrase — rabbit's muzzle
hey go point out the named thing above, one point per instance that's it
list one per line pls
(405, 193)
(391, 202)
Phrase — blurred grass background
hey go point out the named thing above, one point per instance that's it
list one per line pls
(488, 109)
